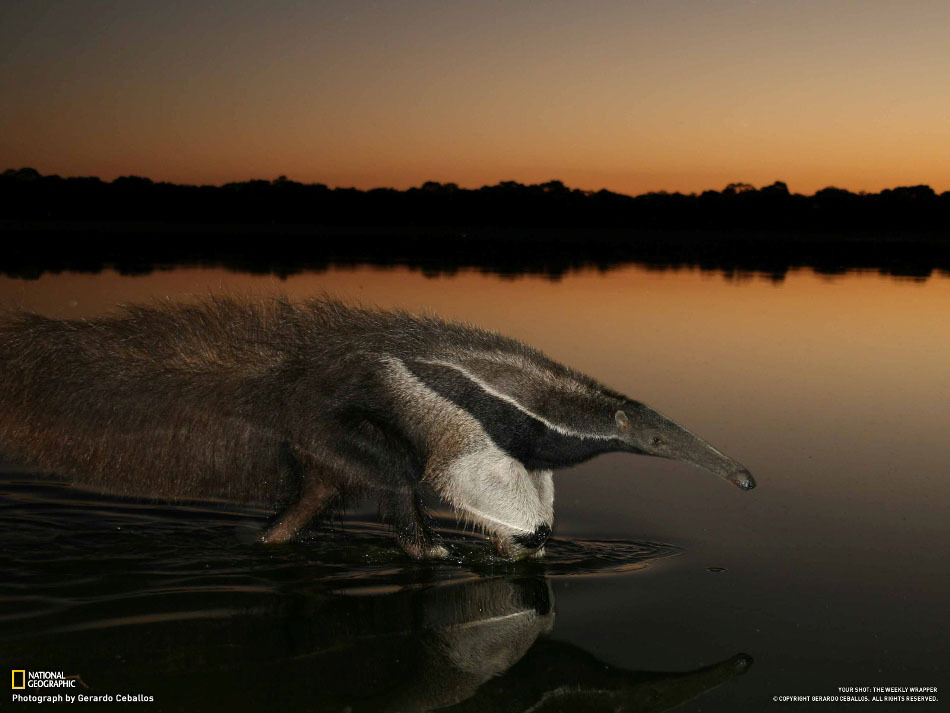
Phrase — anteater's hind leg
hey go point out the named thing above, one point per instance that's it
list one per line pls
(404, 511)
(312, 499)
(312, 493)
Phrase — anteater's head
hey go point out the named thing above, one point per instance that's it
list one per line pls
(510, 493)
(510, 421)
(642, 430)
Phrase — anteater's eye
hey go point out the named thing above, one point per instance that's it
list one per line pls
(657, 441)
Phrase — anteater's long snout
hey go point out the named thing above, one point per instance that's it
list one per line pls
(667, 439)
(700, 453)
(742, 478)
(693, 449)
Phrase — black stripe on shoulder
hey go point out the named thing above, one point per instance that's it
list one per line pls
(521, 436)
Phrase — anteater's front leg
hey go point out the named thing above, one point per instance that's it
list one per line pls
(402, 508)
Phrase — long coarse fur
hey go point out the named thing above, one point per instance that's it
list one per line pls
(291, 405)
(243, 400)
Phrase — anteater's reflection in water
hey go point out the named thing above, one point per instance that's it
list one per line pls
(482, 646)
(475, 645)
(165, 601)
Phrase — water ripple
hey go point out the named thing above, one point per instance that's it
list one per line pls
(72, 559)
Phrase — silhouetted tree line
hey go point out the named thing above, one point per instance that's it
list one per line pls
(136, 225)
(25, 194)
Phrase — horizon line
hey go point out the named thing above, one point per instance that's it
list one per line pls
(554, 184)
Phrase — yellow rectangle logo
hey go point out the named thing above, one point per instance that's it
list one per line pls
(21, 678)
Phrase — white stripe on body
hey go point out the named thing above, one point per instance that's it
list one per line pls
(525, 364)
(489, 389)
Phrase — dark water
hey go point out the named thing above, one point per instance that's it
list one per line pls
(663, 589)
(179, 602)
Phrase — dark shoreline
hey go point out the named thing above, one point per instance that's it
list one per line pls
(281, 227)
(33, 247)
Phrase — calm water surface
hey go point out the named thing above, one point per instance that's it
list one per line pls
(665, 588)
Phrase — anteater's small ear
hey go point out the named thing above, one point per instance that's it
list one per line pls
(622, 421)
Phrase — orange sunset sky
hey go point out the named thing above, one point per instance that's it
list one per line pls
(631, 96)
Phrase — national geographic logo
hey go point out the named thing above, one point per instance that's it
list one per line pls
(41, 679)
(25, 680)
